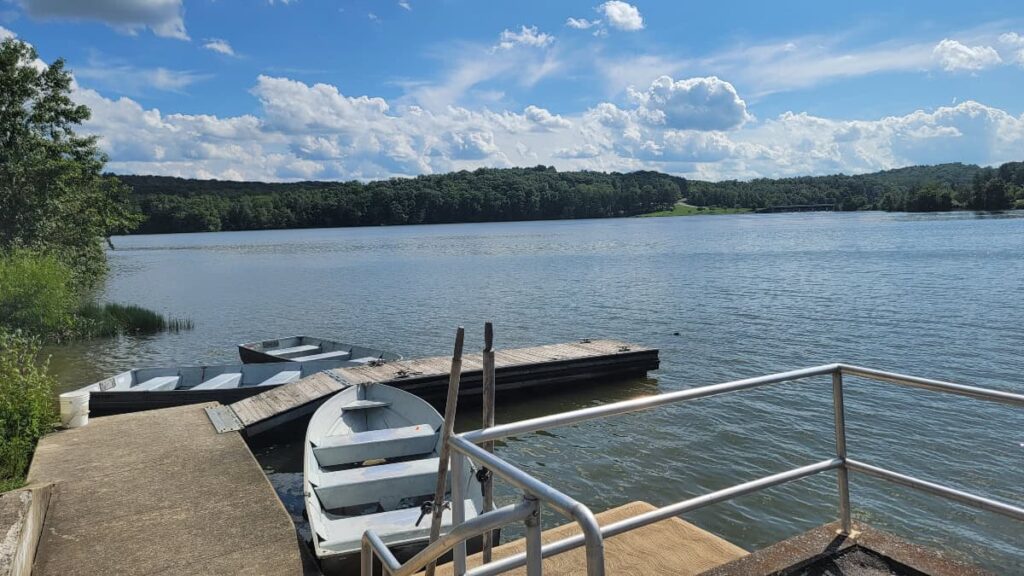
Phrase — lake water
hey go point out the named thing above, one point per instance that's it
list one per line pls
(723, 297)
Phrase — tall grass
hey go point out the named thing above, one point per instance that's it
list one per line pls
(27, 409)
(113, 319)
(38, 296)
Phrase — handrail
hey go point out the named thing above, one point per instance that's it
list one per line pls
(468, 529)
(536, 491)
(660, 514)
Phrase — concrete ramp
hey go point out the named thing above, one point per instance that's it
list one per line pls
(159, 492)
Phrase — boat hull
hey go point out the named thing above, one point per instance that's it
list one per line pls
(110, 403)
(346, 564)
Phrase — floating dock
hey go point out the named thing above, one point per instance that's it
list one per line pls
(158, 492)
(671, 547)
(554, 365)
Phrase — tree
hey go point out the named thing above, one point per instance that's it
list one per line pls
(53, 195)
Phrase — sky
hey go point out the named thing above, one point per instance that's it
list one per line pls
(279, 90)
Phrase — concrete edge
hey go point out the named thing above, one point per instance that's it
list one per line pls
(26, 530)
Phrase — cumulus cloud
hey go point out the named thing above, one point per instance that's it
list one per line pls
(622, 15)
(527, 36)
(955, 56)
(695, 103)
(164, 17)
(5, 34)
(685, 127)
(219, 46)
(545, 120)
(1015, 43)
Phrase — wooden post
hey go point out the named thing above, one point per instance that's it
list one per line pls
(488, 421)
(449, 425)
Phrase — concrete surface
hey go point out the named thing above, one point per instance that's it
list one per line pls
(159, 492)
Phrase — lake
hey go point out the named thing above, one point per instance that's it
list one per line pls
(723, 297)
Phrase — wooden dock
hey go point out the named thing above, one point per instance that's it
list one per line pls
(670, 547)
(158, 492)
(553, 365)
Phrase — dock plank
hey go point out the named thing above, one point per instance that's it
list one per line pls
(159, 492)
(557, 364)
(670, 547)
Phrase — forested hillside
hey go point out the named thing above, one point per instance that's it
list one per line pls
(542, 193)
(915, 188)
(484, 195)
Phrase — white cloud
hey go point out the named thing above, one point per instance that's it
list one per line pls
(697, 127)
(544, 119)
(5, 34)
(1015, 42)
(405, 4)
(954, 56)
(527, 36)
(622, 15)
(694, 103)
(581, 23)
(219, 46)
(164, 17)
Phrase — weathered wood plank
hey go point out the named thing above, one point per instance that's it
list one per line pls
(516, 368)
(670, 547)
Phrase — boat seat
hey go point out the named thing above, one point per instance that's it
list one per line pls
(158, 383)
(281, 378)
(365, 405)
(338, 354)
(364, 360)
(227, 380)
(286, 352)
(384, 443)
(368, 484)
(345, 534)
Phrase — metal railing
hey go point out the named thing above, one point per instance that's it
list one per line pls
(537, 493)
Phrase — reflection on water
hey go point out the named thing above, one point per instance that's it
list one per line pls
(933, 295)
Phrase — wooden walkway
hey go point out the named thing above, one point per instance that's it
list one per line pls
(542, 366)
(670, 547)
(159, 492)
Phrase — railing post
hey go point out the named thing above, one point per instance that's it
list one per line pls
(365, 559)
(488, 421)
(842, 473)
(534, 556)
(458, 510)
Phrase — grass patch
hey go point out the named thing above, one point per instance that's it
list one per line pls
(27, 408)
(113, 319)
(683, 209)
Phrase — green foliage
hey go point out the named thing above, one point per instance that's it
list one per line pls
(36, 294)
(887, 190)
(117, 319)
(27, 409)
(484, 195)
(53, 196)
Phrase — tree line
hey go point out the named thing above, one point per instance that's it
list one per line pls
(913, 189)
(483, 195)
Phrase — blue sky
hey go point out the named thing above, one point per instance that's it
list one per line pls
(310, 89)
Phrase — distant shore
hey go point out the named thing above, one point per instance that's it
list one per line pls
(684, 209)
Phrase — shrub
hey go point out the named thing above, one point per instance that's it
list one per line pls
(27, 409)
(36, 294)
